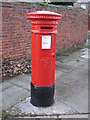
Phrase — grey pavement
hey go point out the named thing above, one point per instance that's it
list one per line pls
(71, 91)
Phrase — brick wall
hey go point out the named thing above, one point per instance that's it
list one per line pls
(16, 38)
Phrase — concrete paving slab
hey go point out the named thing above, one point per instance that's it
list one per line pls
(85, 54)
(75, 96)
(61, 89)
(77, 76)
(59, 74)
(24, 77)
(85, 67)
(22, 81)
(63, 67)
(77, 54)
(77, 62)
(27, 108)
(71, 117)
(0, 102)
(13, 95)
(73, 89)
(77, 101)
(59, 117)
(0, 86)
(4, 85)
(64, 59)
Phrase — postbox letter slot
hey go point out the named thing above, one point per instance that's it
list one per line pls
(46, 27)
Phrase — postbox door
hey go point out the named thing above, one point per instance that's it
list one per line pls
(43, 69)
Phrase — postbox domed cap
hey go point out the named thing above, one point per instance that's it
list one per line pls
(44, 15)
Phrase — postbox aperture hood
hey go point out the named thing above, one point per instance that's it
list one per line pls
(44, 15)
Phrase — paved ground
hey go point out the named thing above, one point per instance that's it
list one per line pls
(71, 93)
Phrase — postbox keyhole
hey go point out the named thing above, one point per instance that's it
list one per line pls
(53, 54)
(46, 27)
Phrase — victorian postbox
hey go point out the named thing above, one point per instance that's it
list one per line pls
(43, 49)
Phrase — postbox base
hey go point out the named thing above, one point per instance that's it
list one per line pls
(42, 96)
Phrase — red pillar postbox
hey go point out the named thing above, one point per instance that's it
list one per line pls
(43, 49)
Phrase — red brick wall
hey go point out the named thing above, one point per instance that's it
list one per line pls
(16, 38)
